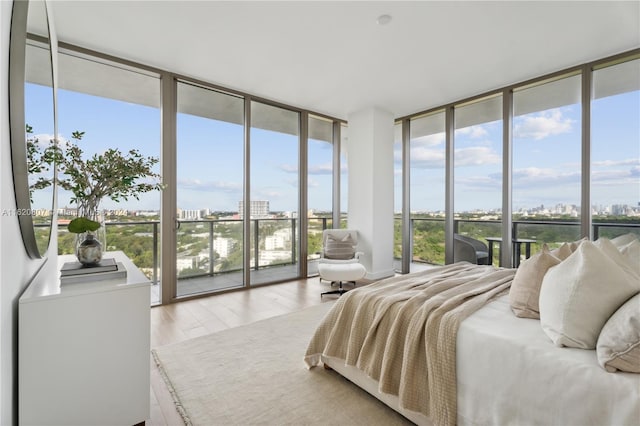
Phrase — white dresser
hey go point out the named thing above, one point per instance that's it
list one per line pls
(83, 350)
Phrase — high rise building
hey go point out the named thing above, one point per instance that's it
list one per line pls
(258, 208)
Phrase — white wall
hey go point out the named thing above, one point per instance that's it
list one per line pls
(16, 269)
(370, 158)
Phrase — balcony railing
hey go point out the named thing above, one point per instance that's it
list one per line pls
(427, 234)
(214, 247)
(209, 247)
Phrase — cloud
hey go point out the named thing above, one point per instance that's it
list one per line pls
(618, 177)
(490, 182)
(198, 185)
(523, 179)
(288, 168)
(474, 132)
(476, 156)
(421, 143)
(41, 139)
(549, 179)
(425, 158)
(539, 177)
(615, 163)
(541, 125)
(616, 172)
(321, 169)
(429, 140)
(314, 169)
(267, 194)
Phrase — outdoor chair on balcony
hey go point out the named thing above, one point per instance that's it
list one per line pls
(470, 250)
(339, 261)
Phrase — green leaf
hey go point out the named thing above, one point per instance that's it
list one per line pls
(82, 224)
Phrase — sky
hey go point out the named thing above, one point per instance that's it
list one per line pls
(209, 158)
(209, 161)
(546, 159)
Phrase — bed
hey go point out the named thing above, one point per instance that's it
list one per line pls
(444, 347)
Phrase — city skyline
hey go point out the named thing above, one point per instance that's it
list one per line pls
(557, 209)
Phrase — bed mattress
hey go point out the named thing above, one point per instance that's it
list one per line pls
(510, 373)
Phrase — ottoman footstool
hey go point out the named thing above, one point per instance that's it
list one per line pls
(340, 273)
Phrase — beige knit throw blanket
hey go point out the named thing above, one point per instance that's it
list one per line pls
(401, 331)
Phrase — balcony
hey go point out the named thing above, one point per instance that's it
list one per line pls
(210, 251)
(428, 234)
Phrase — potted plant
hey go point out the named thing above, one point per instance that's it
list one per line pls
(111, 174)
(88, 249)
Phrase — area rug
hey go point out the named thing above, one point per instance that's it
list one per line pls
(255, 375)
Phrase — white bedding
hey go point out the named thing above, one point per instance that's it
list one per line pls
(402, 332)
(510, 373)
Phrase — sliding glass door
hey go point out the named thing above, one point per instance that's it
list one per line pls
(320, 148)
(274, 195)
(209, 176)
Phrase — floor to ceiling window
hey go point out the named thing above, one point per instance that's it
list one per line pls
(427, 186)
(209, 176)
(218, 165)
(320, 148)
(478, 169)
(547, 150)
(344, 176)
(547, 161)
(397, 196)
(275, 193)
(116, 107)
(615, 148)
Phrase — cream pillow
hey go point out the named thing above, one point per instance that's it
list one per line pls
(579, 295)
(616, 255)
(525, 288)
(623, 240)
(631, 253)
(563, 251)
(618, 345)
(339, 248)
(575, 244)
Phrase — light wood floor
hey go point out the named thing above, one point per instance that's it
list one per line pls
(184, 320)
(192, 318)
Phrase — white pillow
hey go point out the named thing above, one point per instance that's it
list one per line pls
(580, 294)
(631, 252)
(619, 341)
(575, 244)
(623, 240)
(615, 254)
(563, 251)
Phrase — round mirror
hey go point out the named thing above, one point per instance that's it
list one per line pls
(32, 94)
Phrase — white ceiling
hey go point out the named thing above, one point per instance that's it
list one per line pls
(333, 58)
